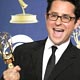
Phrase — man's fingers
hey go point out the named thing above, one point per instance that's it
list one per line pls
(17, 68)
(12, 74)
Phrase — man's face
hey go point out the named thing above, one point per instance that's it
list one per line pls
(58, 31)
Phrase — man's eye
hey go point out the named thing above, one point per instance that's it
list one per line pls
(66, 17)
(54, 15)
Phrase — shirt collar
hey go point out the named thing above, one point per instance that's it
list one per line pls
(49, 43)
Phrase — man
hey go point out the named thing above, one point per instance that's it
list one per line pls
(62, 17)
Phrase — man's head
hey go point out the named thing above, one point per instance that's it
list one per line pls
(62, 16)
(76, 3)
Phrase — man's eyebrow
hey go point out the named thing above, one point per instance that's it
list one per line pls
(53, 12)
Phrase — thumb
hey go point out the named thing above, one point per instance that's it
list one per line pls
(17, 68)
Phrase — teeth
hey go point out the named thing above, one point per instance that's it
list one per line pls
(58, 30)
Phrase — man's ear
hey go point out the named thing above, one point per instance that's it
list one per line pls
(45, 16)
(77, 23)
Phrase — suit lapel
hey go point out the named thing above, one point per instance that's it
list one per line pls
(38, 58)
(39, 64)
(64, 62)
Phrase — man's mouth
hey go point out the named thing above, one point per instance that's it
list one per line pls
(58, 32)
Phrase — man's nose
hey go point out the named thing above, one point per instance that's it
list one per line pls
(58, 21)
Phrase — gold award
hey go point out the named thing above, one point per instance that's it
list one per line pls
(76, 36)
(23, 17)
(6, 50)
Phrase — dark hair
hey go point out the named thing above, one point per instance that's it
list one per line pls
(76, 3)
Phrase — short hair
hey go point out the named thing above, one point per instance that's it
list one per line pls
(76, 3)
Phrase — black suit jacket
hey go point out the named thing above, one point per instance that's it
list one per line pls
(29, 57)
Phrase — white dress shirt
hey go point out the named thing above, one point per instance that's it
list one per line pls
(48, 51)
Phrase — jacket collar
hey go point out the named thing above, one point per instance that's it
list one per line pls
(66, 60)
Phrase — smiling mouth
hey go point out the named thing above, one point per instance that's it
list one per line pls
(58, 33)
(58, 30)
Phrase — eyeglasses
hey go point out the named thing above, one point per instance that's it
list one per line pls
(64, 18)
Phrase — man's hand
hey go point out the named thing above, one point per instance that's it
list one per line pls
(12, 74)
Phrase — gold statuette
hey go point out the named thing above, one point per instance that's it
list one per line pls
(6, 49)
(23, 18)
(76, 36)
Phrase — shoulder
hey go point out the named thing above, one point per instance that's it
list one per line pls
(76, 51)
(73, 50)
(30, 46)
(26, 50)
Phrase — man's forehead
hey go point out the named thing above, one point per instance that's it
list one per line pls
(62, 7)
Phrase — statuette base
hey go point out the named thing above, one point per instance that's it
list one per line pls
(23, 18)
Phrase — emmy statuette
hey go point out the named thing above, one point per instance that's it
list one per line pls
(23, 17)
(76, 36)
(6, 49)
